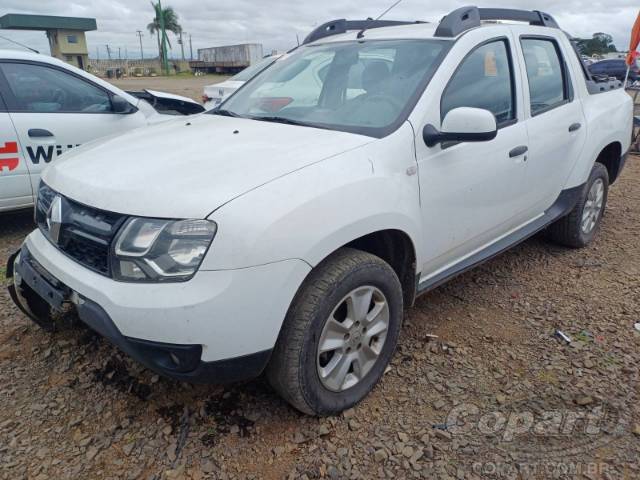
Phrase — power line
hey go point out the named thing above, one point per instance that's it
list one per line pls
(139, 32)
(181, 45)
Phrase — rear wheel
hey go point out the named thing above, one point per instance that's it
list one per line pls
(579, 228)
(339, 334)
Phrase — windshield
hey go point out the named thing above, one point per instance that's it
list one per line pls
(249, 72)
(361, 87)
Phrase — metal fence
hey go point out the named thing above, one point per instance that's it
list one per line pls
(134, 68)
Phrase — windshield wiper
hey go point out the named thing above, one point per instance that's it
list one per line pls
(284, 120)
(226, 113)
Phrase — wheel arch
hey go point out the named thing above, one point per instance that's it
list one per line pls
(397, 249)
(611, 157)
(394, 246)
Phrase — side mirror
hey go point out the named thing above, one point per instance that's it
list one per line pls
(463, 124)
(120, 105)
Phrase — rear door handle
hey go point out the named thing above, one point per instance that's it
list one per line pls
(575, 127)
(518, 151)
(39, 133)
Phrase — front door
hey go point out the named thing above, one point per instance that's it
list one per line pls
(471, 193)
(54, 110)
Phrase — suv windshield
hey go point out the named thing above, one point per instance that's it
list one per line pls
(361, 87)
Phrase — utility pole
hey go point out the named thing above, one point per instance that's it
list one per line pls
(108, 51)
(119, 55)
(181, 45)
(165, 61)
(139, 32)
(190, 47)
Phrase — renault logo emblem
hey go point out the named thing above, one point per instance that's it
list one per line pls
(54, 219)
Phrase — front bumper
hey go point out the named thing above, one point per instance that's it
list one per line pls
(199, 331)
(38, 294)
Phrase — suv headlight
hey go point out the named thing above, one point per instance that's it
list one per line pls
(155, 250)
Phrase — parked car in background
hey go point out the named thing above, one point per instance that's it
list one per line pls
(215, 94)
(285, 232)
(48, 107)
(616, 68)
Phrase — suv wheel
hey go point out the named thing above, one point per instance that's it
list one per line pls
(579, 228)
(339, 335)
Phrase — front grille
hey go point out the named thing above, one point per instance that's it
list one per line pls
(85, 234)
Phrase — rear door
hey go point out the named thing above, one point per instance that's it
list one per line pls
(15, 187)
(556, 124)
(54, 110)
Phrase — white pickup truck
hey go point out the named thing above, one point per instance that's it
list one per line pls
(286, 234)
(48, 107)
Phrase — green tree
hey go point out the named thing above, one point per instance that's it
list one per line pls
(171, 24)
(599, 44)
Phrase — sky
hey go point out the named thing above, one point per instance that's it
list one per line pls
(275, 23)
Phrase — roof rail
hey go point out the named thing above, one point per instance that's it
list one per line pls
(466, 18)
(336, 27)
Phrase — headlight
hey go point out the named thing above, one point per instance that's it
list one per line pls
(154, 250)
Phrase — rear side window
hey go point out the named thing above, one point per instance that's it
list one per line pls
(484, 80)
(548, 82)
(40, 89)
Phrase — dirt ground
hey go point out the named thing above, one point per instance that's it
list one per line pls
(187, 86)
(495, 395)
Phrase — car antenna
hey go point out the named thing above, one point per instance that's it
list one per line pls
(18, 43)
(361, 32)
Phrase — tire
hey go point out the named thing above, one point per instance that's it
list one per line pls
(341, 280)
(569, 231)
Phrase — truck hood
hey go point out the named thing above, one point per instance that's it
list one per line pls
(189, 167)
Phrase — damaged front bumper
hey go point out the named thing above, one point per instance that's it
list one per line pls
(42, 297)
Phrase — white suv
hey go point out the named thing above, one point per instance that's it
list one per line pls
(287, 233)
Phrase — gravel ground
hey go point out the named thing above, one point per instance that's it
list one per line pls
(495, 395)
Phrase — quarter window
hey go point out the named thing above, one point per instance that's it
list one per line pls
(548, 86)
(484, 80)
(41, 89)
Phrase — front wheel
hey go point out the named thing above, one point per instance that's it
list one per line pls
(579, 228)
(339, 334)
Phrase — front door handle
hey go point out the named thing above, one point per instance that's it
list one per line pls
(518, 151)
(39, 133)
(575, 127)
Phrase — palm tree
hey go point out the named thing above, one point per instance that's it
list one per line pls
(171, 24)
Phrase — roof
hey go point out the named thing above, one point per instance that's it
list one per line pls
(15, 21)
(452, 26)
(404, 32)
(15, 54)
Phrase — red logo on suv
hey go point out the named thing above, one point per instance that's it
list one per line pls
(12, 162)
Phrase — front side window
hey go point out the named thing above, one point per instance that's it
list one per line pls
(41, 89)
(362, 87)
(484, 80)
(548, 86)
